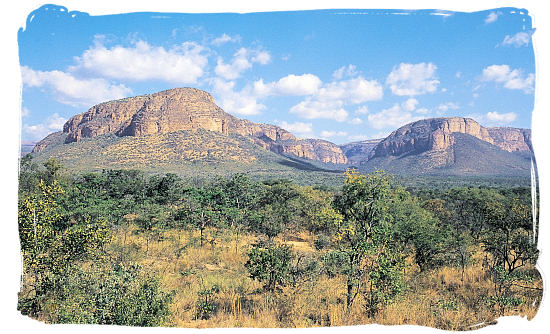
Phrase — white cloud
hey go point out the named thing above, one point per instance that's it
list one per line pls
(503, 118)
(392, 117)
(315, 109)
(354, 91)
(422, 111)
(355, 121)
(242, 60)
(345, 71)
(362, 110)
(225, 38)
(494, 118)
(517, 40)
(25, 112)
(261, 57)
(305, 84)
(492, 17)
(413, 79)
(444, 107)
(74, 91)
(410, 104)
(236, 102)
(183, 64)
(300, 129)
(511, 79)
(329, 100)
(38, 131)
(329, 134)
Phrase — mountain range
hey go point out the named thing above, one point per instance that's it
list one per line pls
(182, 130)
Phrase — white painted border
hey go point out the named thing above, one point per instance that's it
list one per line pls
(14, 16)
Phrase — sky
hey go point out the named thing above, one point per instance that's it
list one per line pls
(340, 75)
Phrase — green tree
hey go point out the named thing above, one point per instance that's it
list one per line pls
(270, 263)
(367, 237)
(123, 295)
(51, 246)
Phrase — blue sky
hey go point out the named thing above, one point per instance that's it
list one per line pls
(340, 75)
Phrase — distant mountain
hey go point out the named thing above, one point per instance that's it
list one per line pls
(182, 130)
(454, 146)
(359, 151)
(27, 147)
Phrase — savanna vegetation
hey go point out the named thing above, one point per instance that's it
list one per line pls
(121, 247)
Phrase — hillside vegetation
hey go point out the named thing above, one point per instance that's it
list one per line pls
(123, 247)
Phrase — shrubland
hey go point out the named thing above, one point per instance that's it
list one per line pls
(121, 247)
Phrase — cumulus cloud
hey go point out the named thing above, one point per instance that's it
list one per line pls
(520, 39)
(444, 107)
(355, 121)
(305, 84)
(492, 17)
(315, 109)
(329, 100)
(362, 110)
(299, 129)
(503, 118)
(74, 91)
(345, 71)
(242, 60)
(356, 90)
(38, 131)
(422, 111)
(392, 117)
(225, 38)
(410, 104)
(241, 102)
(183, 64)
(494, 118)
(413, 79)
(511, 79)
(330, 134)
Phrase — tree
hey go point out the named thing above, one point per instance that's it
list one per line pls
(51, 245)
(199, 210)
(365, 234)
(270, 263)
(122, 295)
(510, 234)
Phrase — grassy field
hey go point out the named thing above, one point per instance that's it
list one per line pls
(437, 298)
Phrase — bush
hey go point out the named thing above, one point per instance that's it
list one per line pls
(270, 264)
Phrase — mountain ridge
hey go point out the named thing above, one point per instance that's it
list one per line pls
(173, 117)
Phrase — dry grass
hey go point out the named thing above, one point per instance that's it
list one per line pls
(439, 298)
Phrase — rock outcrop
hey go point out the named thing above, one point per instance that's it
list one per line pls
(512, 139)
(187, 109)
(436, 134)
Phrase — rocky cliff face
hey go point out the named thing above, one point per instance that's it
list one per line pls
(436, 134)
(187, 109)
(512, 139)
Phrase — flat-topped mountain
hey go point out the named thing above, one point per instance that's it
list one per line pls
(187, 109)
(437, 134)
(453, 145)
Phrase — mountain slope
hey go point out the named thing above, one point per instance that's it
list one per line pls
(453, 146)
(199, 154)
(187, 109)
